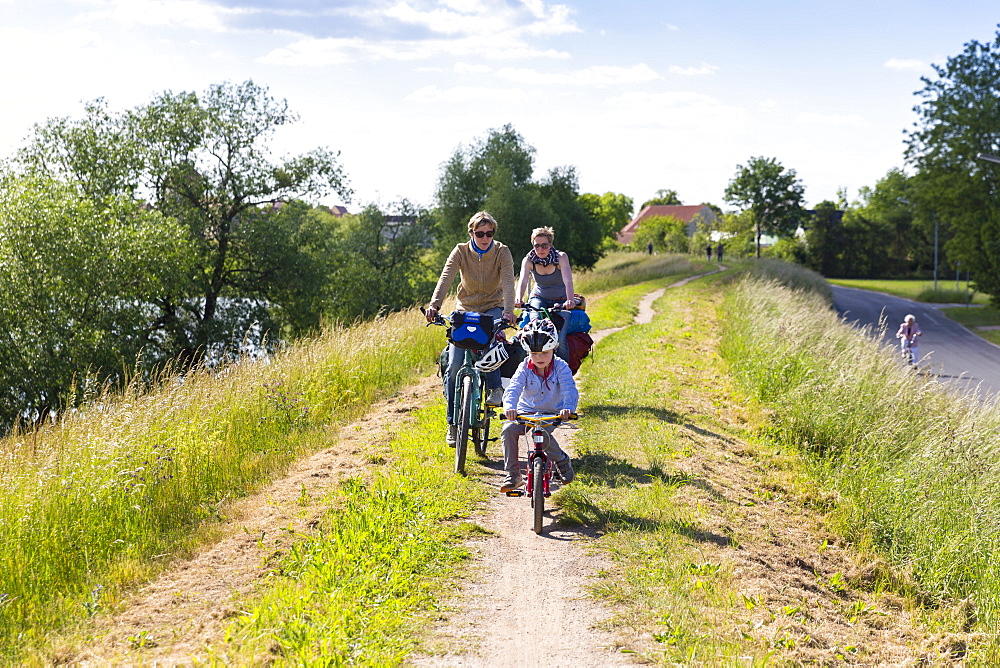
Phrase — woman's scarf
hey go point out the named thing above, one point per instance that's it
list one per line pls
(551, 258)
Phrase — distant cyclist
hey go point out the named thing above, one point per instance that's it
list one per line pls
(542, 384)
(908, 332)
(486, 286)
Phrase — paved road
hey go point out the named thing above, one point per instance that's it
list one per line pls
(952, 353)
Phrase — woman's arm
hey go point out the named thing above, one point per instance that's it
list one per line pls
(567, 274)
(451, 267)
(522, 283)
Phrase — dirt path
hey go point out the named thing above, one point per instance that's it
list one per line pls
(188, 607)
(500, 618)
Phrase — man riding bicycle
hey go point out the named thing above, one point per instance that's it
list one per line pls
(486, 270)
(543, 383)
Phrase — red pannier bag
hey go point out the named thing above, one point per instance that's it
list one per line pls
(580, 344)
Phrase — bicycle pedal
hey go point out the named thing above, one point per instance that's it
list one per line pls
(515, 492)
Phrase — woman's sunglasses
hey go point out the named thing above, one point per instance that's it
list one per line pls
(485, 233)
(541, 246)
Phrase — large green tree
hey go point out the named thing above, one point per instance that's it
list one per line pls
(958, 118)
(203, 160)
(496, 174)
(78, 278)
(612, 210)
(772, 195)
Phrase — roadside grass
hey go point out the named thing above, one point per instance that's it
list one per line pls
(917, 290)
(104, 498)
(364, 586)
(917, 468)
(983, 321)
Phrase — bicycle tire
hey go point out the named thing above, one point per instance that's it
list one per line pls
(538, 492)
(481, 433)
(464, 418)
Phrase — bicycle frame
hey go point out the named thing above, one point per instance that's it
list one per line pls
(470, 413)
(539, 470)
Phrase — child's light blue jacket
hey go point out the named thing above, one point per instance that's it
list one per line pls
(528, 392)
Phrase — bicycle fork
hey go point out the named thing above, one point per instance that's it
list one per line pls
(538, 436)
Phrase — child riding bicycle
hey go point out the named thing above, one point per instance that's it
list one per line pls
(542, 384)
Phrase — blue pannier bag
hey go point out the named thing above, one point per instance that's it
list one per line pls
(579, 321)
(470, 330)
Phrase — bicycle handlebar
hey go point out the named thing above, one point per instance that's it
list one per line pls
(444, 321)
(543, 420)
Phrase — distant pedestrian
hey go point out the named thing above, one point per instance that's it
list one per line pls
(718, 251)
(649, 248)
(708, 252)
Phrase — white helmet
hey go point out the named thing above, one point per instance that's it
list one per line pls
(538, 336)
(494, 357)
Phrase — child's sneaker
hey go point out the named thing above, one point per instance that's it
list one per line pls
(565, 470)
(452, 436)
(512, 481)
(495, 397)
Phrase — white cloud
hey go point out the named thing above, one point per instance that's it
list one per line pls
(467, 68)
(337, 51)
(591, 76)
(839, 120)
(173, 13)
(465, 94)
(906, 65)
(704, 68)
(678, 109)
(767, 104)
(671, 26)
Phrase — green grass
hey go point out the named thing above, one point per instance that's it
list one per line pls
(361, 589)
(90, 506)
(918, 468)
(916, 290)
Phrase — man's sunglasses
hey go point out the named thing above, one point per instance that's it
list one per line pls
(485, 233)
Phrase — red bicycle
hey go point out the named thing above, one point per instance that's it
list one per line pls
(540, 467)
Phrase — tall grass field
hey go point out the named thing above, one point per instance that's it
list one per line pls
(917, 466)
(94, 503)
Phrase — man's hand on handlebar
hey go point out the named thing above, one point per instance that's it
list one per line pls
(509, 317)
(431, 313)
(510, 413)
(565, 414)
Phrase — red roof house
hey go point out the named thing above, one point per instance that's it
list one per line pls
(689, 214)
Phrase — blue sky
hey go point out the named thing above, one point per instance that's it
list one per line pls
(637, 95)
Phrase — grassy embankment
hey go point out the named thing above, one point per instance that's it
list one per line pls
(918, 469)
(101, 501)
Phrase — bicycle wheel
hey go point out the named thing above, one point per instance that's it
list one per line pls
(465, 415)
(481, 432)
(538, 491)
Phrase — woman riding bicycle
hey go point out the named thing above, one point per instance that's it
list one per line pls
(543, 383)
(553, 279)
(486, 286)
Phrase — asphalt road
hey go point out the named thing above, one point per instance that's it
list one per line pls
(948, 350)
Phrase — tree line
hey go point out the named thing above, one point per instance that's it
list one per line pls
(168, 234)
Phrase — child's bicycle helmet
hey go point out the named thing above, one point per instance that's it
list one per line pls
(493, 358)
(538, 336)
